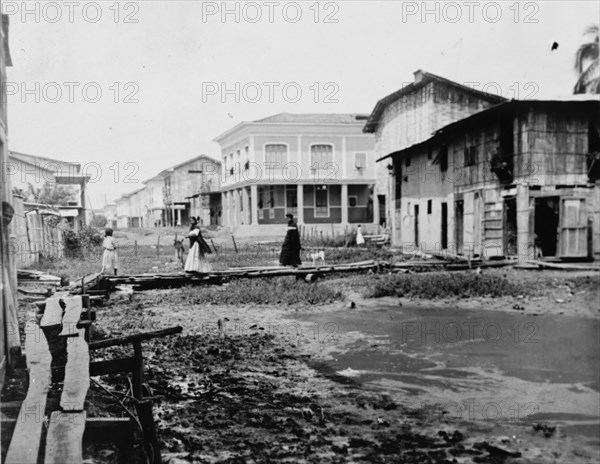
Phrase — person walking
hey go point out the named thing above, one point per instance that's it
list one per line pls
(290, 250)
(196, 260)
(110, 259)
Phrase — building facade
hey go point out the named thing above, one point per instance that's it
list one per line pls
(318, 167)
(410, 116)
(31, 174)
(519, 179)
(184, 184)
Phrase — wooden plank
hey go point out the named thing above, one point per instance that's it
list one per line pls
(77, 374)
(139, 337)
(73, 310)
(25, 442)
(64, 442)
(109, 366)
(53, 313)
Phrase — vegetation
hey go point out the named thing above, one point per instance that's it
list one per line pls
(587, 63)
(443, 285)
(286, 291)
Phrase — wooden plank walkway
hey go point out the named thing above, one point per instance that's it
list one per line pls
(65, 432)
(65, 438)
(26, 439)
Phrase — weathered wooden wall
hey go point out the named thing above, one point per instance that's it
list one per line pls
(33, 237)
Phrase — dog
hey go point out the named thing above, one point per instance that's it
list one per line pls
(179, 250)
(316, 255)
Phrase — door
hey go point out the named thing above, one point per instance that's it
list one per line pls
(459, 213)
(510, 226)
(572, 238)
(381, 201)
(444, 237)
(417, 225)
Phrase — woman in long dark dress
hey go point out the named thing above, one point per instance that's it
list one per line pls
(196, 260)
(290, 250)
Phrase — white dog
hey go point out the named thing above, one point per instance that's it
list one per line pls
(316, 255)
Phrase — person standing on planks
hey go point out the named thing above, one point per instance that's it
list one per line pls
(196, 260)
(110, 258)
(290, 250)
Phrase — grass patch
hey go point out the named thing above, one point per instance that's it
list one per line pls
(442, 285)
(269, 291)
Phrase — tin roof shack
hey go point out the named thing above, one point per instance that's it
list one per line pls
(519, 179)
(410, 116)
(183, 181)
(30, 174)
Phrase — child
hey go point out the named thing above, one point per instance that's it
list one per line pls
(359, 236)
(109, 259)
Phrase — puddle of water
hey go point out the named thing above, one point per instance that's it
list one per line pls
(527, 367)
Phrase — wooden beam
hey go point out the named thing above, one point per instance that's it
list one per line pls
(77, 374)
(139, 337)
(64, 441)
(25, 442)
(73, 310)
(110, 366)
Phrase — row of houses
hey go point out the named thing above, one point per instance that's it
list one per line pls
(442, 166)
(172, 197)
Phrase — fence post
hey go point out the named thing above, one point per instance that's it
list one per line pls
(234, 244)
(158, 247)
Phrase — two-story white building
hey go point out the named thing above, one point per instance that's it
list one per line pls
(318, 167)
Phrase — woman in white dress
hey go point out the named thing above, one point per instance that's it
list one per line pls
(360, 240)
(110, 259)
(196, 260)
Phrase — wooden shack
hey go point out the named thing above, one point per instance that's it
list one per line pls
(519, 179)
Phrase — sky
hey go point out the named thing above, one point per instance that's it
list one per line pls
(128, 89)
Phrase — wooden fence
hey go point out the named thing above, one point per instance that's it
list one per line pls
(32, 237)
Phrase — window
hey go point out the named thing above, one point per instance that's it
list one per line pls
(320, 156)
(429, 206)
(360, 160)
(276, 154)
(271, 213)
(470, 155)
(291, 198)
(443, 157)
(352, 200)
(321, 201)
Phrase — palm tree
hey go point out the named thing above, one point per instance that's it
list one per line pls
(587, 65)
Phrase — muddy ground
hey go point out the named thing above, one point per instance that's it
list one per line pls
(251, 393)
(248, 393)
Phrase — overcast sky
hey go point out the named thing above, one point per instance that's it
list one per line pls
(161, 66)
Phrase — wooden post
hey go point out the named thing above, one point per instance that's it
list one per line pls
(234, 244)
(158, 247)
(214, 247)
(138, 370)
(144, 412)
(135, 247)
